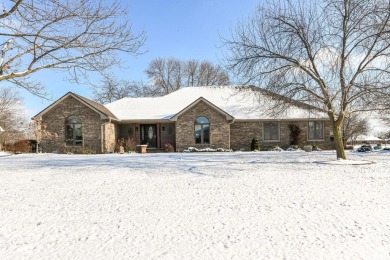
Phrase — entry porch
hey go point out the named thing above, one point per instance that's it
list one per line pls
(154, 135)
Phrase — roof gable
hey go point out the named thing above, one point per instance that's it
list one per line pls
(98, 108)
(228, 116)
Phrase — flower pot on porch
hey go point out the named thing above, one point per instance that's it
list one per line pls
(142, 148)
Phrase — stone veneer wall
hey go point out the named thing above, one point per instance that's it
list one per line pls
(242, 133)
(185, 129)
(110, 134)
(55, 121)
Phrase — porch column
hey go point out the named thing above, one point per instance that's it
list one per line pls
(158, 136)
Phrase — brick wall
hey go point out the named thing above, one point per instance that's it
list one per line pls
(55, 121)
(127, 131)
(219, 128)
(242, 133)
(168, 135)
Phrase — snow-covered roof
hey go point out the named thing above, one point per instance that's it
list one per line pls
(368, 138)
(242, 104)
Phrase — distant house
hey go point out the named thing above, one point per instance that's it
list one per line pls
(216, 117)
(366, 139)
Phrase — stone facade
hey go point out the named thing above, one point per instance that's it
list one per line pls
(242, 134)
(110, 133)
(185, 127)
(55, 122)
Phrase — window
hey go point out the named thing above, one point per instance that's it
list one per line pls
(315, 130)
(271, 131)
(74, 134)
(202, 130)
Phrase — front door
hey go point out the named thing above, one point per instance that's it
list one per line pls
(149, 135)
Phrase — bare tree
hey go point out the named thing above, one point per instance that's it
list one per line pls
(165, 75)
(168, 75)
(77, 36)
(9, 100)
(12, 120)
(386, 118)
(385, 135)
(39, 132)
(203, 74)
(353, 126)
(112, 89)
(334, 53)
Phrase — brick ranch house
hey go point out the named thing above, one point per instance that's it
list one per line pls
(216, 117)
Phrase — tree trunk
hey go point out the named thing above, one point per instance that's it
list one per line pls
(345, 139)
(338, 141)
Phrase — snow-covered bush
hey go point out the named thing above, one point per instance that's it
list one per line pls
(207, 149)
(275, 149)
(293, 148)
(316, 148)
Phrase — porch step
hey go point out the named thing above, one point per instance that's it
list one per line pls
(152, 150)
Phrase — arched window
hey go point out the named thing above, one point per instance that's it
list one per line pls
(202, 130)
(73, 131)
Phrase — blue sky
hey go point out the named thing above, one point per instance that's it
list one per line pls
(186, 29)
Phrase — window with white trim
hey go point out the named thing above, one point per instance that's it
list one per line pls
(271, 131)
(315, 130)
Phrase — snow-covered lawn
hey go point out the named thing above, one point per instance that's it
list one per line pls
(266, 205)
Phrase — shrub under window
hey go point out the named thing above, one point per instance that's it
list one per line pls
(73, 131)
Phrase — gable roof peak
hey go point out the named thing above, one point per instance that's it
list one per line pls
(227, 115)
(99, 108)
